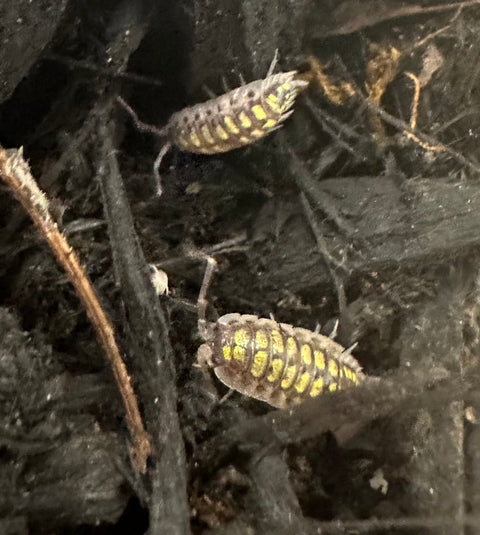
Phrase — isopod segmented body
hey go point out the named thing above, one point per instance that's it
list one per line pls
(236, 118)
(275, 362)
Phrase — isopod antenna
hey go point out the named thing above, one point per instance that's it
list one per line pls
(202, 302)
(159, 132)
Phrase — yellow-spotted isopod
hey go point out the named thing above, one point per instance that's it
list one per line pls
(270, 361)
(235, 119)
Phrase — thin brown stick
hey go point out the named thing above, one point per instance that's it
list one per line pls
(414, 117)
(422, 139)
(416, 98)
(16, 174)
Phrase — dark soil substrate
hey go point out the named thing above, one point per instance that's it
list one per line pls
(342, 214)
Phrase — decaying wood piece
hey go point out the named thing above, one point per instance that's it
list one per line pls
(379, 222)
(149, 342)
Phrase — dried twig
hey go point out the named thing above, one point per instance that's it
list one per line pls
(148, 341)
(422, 139)
(357, 15)
(334, 266)
(16, 174)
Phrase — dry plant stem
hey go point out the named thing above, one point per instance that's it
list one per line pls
(308, 186)
(332, 263)
(416, 98)
(148, 341)
(422, 139)
(16, 174)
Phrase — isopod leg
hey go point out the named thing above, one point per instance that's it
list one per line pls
(156, 166)
(202, 295)
(160, 132)
(273, 64)
(334, 332)
(349, 350)
(210, 94)
(226, 89)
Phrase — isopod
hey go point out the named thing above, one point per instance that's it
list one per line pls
(235, 119)
(273, 362)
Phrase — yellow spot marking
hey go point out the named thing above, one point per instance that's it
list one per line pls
(272, 101)
(332, 387)
(261, 340)
(333, 368)
(195, 139)
(277, 342)
(317, 387)
(276, 366)
(291, 348)
(289, 377)
(245, 139)
(239, 353)
(241, 337)
(227, 352)
(259, 112)
(306, 353)
(269, 124)
(221, 132)
(286, 86)
(245, 120)
(182, 141)
(230, 124)
(350, 374)
(302, 382)
(207, 134)
(319, 360)
(257, 133)
(260, 361)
